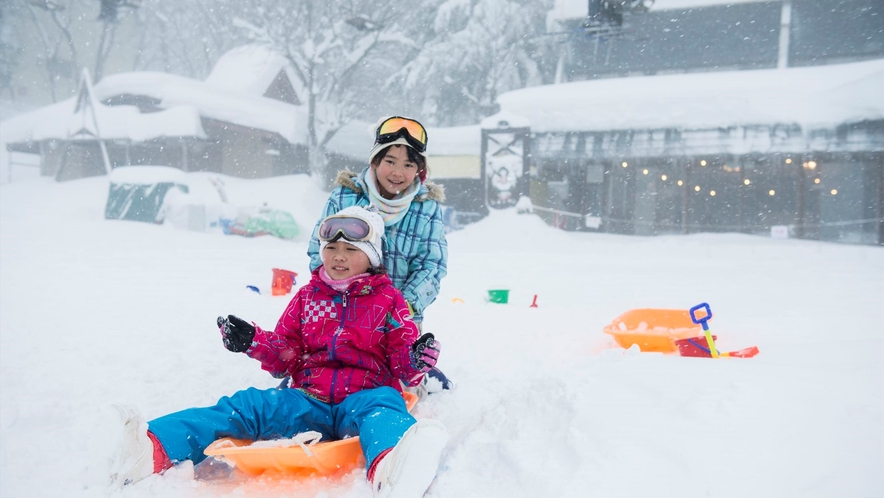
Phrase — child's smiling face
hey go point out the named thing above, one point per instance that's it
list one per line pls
(396, 172)
(342, 260)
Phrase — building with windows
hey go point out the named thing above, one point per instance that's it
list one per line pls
(715, 117)
(244, 120)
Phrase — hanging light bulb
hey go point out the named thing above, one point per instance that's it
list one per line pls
(746, 181)
(712, 193)
(663, 177)
(624, 164)
(697, 188)
(702, 162)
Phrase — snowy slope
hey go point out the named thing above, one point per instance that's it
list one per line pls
(94, 312)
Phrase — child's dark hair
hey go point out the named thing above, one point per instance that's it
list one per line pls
(377, 270)
(413, 156)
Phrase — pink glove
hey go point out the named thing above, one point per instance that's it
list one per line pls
(425, 352)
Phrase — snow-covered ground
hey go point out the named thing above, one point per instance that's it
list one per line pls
(94, 312)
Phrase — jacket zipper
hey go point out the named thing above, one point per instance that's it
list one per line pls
(334, 346)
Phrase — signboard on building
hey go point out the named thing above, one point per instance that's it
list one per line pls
(779, 232)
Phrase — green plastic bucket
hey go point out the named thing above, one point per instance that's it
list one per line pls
(500, 296)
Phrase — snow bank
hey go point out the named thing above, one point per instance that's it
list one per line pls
(545, 406)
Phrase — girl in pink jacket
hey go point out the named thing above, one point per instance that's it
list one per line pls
(347, 340)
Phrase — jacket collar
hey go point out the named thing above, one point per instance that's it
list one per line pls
(428, 190)
(360, 287)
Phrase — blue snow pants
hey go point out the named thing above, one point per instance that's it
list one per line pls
(378, 416)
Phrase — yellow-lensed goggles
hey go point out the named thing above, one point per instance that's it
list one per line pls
(399, 127)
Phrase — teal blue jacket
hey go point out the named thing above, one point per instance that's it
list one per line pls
(415, 250)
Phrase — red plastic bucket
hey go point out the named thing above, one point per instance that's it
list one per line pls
(694, 346)
(282, 281)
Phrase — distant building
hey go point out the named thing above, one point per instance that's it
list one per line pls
(739, 151)
(244, 120)
(705, 115)
(678, 36)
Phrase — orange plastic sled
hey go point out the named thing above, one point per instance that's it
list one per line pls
(255, 458)
(654, 330)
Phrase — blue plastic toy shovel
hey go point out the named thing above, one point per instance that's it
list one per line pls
(702, 320)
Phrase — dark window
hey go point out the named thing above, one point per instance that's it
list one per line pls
(824, 32)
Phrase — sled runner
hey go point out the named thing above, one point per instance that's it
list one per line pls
(300, 455)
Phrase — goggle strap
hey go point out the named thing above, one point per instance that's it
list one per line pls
(341, 229)
(394, 125)
(412, 142)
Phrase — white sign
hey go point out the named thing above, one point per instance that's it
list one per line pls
(779, 232)
(592, 221)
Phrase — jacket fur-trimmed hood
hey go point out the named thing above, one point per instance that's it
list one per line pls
(429, 190)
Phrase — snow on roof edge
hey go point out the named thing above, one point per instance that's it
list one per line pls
(808, 96)
(287, 120)
(566, 10)
(184, 100)
(115, 122)
(354, 140)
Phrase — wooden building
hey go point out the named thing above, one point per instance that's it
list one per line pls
(738, 151)
(244, 120)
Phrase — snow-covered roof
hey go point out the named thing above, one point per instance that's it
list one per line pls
(504, 119)
(115, 122)
(578, 9)
(454, 141)
(184, 101)
(818, 96)
(697, 4)
(353, 140)
(356, 138)
(262, 113)
(249, 69)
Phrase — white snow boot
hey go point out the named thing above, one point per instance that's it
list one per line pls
(410, 467)
(134, 458)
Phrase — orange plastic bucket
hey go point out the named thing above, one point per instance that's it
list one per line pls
(653, 330)
(282, 282)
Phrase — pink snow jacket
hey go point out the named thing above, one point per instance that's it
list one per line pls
(334, 344)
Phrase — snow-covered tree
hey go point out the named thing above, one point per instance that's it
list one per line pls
(53, 21)
(109, 16)
(480, 49)
(185, 37)
(10, 48)
(331, 46)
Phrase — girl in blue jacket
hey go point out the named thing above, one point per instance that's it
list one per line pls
(395, 183)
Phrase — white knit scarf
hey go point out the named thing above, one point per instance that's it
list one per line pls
(391, 210)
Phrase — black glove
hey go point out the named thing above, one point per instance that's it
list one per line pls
(236, 332)
(425, 352)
